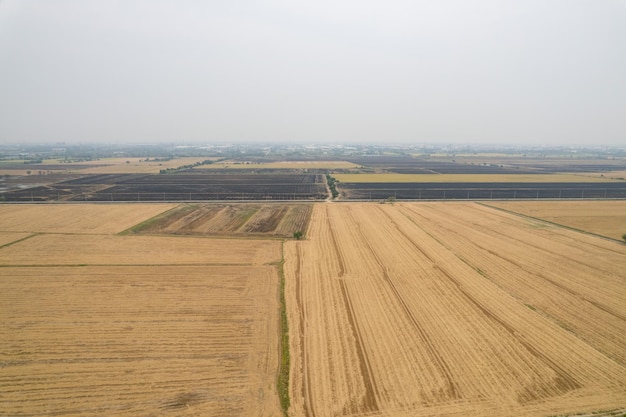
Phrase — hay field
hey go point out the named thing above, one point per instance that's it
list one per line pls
(76, 218)
(453, 309)
(100, 324)
(378, 178)
(606, 218)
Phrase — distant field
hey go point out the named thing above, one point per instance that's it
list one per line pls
(99, 166)
(134, 165)
(481, 178)
(96, 324)
(607, 218)
(281, 165)
(272, 220)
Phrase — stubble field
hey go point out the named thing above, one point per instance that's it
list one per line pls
(453, 309)
(92, 323)
(606, 218)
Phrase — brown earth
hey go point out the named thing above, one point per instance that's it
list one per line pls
(269, 220)
(448, 309)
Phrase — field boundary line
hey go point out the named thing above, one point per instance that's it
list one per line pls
(19, 240)
(284, 360)
(526, 216)
(124, 265)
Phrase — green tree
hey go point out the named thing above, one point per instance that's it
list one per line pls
(297, 235)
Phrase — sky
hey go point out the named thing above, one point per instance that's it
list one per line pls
(536, 72)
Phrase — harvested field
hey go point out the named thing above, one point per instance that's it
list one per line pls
(76, 218)
(57, 249)
(278, 220)
(99, 324)
(455, 309)
(606, 218)
(7, 238)
(128, 341)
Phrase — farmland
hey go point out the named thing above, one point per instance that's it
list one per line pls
(431, 309)
(177, 187)
(606, 218)
(278, 220)
(481, 191)
(93, 323)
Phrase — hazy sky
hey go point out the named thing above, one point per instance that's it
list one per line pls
(355, 71)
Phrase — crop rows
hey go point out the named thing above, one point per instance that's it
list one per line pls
(417, 310)
(233, 220)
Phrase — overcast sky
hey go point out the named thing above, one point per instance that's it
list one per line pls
(332, 71)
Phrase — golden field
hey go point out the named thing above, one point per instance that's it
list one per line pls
(606, 218)
(404, 309)
(97, 324)
(76, 218)
(351, 178)
(452, 309)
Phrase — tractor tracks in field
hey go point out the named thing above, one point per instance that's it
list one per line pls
(370, 401)
(564, 381)
(306, 375)
(452, 389)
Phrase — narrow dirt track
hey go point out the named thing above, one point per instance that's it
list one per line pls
(452, 309)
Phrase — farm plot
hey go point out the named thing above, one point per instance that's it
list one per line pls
(129, 341)
(96, 324)
(452, 309)
(480, 191)
(76, 218)
(606, 218)
(231, 219)
(178, 187)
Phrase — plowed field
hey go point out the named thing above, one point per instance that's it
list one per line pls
(280, 220)
(453, 309)
(105, 325)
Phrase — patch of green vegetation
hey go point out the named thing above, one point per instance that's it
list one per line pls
(285, 359)
(332, 184)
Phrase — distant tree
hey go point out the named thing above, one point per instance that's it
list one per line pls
(624, 237)
(297, 235)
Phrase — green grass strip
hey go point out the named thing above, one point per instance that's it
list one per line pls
(18, 241)
(283, 371)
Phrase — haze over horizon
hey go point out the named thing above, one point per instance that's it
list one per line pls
(495, 72)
